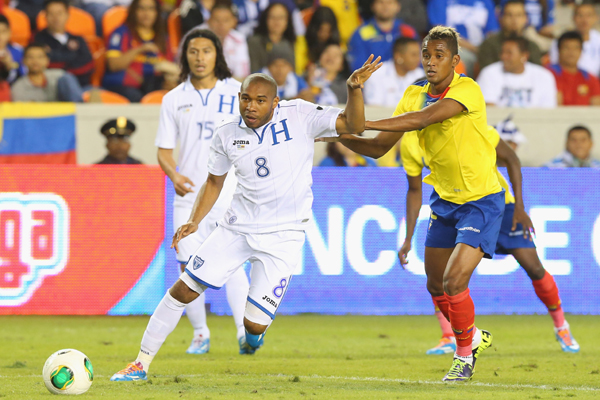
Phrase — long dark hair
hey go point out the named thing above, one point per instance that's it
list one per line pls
(262, 29)
(221, 69)
(322, 15)
(160, 32)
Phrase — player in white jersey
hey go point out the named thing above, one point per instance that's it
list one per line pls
(189, 114)
(271, 147)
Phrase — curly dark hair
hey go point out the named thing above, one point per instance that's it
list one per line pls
(221, 69)
(322, 15)
(262, 29)
(159, 27)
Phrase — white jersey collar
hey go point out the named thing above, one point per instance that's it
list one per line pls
(187, 85)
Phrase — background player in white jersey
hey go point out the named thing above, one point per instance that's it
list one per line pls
(271, 147)
(190, 114)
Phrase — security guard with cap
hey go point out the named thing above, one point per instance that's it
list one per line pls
(118, 132)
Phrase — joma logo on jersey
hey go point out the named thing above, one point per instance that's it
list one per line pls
(270, 301)
(34, 243)
(241, 144)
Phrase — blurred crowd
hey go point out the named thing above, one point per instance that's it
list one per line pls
(126, 50)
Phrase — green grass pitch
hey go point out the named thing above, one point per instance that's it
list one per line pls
(307, 356)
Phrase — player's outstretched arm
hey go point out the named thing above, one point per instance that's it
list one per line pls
(209, 193)
(352, 119)
(417, 120)
(513, 167)
(414, 199)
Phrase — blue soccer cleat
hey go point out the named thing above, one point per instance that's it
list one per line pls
(199, 346)
(446, 345)
(132, 372)
(460, 371)
(245, 347)
(566, 340)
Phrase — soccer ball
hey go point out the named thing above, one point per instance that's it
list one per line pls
(68, 371)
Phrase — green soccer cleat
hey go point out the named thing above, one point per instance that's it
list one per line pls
(486, 342)
(460, 371)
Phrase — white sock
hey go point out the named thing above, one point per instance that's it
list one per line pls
(196, 313)
(467, 359)
(161, 324)
(476, 341)
(237, 288)
(564, 326)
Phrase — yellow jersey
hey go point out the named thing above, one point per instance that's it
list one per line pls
(346, 12)
(461, 151)
(414, 160)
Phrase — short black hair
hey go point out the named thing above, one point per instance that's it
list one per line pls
(522, 43)
(401, 43)
(40, 46)
(509, 2)
(260, 77)
(225, 5)
(222, 71)
(570, 35)
(445, 33)
(579, 128)
(63, 2)
(4, 20)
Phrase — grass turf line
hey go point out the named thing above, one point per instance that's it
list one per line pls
(321, 357)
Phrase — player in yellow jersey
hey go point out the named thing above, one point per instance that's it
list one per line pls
(510, 241)
(448, 110)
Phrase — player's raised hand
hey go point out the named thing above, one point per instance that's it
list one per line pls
(521, 217)
(180, 181)
(403, 253)
(184, 230)
(359, 77)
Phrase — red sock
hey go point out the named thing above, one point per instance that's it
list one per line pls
(547, 291)
(441, 302)
(462, 319)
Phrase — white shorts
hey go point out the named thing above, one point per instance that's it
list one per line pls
(274, 257)
(190, 244)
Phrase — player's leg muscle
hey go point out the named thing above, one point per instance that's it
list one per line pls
(462, 263)
(530, 261)
(182, 292)
(436, 260)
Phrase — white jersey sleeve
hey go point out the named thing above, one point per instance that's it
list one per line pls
(319, 120)
(218, 161)
(166, 136)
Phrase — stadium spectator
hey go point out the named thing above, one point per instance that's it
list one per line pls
(377, 35)
(43, 84)
(250, 12)
(194, 13)
(66, 51)
(578, 152)
(322, 30)
(222, 22)
(339, 155)
(540, 14)
(575, 86)
(346, 13)
(513, 21)
(11, 54)
(30, 7)
(137, 55)
(289, 85)
(97, 8)
(327, 79)
(414, 13)
(274, 30)
(118, 132)
(473, 19)
(510, 133)
(388, 84)
(585, 18)
(515, 82)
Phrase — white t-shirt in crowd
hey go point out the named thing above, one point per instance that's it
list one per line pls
(590, 55)
(235, 50)
(191, 117)
(534, 88)
(273, 166)
(386, 87)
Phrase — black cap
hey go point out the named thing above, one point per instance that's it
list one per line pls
(119, 127)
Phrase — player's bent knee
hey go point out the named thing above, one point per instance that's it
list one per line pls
(256, 321)
(435, 287)
(182, 292)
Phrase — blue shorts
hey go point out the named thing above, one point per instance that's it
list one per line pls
(508, 239)
(476, 223)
